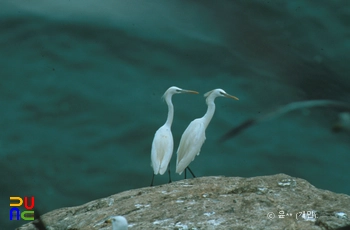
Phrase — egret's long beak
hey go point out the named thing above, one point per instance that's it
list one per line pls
(189, 91)
(230, 96)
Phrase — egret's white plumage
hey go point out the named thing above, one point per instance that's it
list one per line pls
(194, 136)
(119, 223)
(163, 143)
(162, 149)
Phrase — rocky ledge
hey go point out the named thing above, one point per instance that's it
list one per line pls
(266, 202)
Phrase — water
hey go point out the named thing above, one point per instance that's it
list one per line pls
(81, 86)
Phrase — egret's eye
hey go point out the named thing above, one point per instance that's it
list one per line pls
(177, 90)
(221, 93)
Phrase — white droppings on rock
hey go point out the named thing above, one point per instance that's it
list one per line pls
(341, 215)
(287, 182)
(110, 202)
(192, 202)
(262, 190)
(157, 222)
(215, 222)
(142, 205)
(181, 226)
(179, 201)
(209, 213)
(160, 222)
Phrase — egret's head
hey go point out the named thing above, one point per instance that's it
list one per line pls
(175, 90)
(118, 223)
(219, 93)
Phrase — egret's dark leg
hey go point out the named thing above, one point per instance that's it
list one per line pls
(191, 172)
(169, 173)
(185, 173)
(169, 176)
(152, 180)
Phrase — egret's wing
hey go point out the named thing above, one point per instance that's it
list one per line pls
(162, 149)
(190, 144)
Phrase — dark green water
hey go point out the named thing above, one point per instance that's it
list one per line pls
(81, 85)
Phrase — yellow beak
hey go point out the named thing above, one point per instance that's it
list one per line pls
(189, 91)
(230, 96)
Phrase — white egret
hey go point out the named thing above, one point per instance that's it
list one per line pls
(118, 223)
(194, 136)
(163, 143)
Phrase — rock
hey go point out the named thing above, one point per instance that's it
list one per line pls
(212, 203)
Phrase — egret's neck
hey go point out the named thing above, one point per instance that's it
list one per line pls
(170, 118)
(210, 112)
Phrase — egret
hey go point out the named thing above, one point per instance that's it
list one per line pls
(194, 136)
(163, 143)
(118, 223)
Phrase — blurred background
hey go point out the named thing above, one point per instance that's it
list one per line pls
(81, 85)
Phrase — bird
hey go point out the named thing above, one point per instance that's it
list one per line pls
(163, 143)
(343, 123)
(194, 136)
(118, 223)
